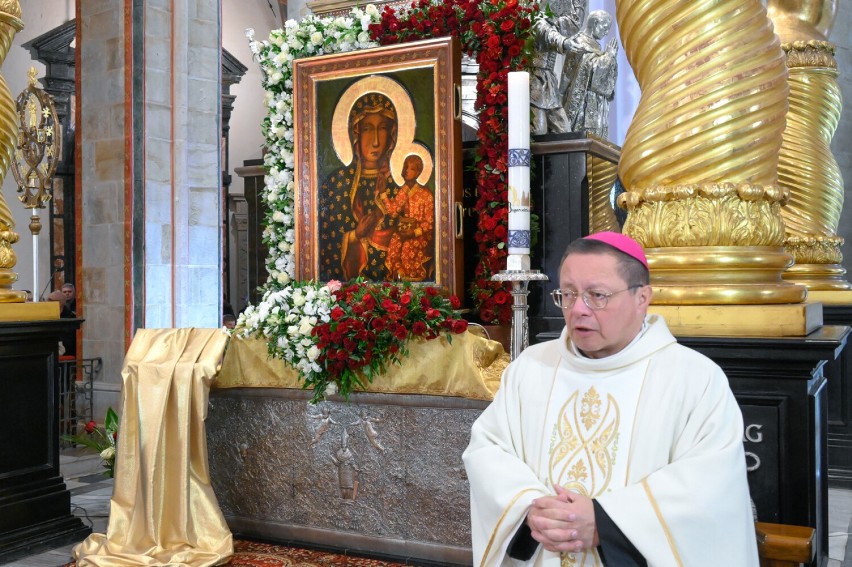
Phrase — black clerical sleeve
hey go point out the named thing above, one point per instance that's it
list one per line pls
(523, 546)
(614, 548)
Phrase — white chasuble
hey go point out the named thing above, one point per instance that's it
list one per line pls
(653, 433)
(586, 434)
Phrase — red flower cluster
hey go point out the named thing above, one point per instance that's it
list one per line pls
(497, 33)
(370, 326)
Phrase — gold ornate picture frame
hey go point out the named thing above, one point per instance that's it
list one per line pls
(378, 165)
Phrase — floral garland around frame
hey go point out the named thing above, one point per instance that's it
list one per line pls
(498, 34)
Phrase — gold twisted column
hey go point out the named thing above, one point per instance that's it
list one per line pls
(700, 158)
(10, 24)
(806, 165)
(601, 174)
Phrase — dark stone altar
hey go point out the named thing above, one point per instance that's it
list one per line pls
(381, 475)
(35, 505)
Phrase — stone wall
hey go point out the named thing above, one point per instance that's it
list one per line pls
(102, 177)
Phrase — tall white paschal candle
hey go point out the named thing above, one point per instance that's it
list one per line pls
(519, 171)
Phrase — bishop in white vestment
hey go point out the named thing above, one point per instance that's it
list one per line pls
(617, 412)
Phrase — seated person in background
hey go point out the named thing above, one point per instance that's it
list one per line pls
(229, 321)
(613, 444)
(70, 294)
(64, 311)
(68, 344)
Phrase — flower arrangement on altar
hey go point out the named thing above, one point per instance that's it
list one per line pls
(297, 317)
(101, 440)
(340, 336)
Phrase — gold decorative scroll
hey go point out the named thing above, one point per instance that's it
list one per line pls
(10, 24)
(699, 159)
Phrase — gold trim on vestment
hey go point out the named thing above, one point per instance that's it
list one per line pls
(662, 521)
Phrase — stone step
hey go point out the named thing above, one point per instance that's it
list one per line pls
(79, 461)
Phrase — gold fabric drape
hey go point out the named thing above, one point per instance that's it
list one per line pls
(163, 510)
(470, 367)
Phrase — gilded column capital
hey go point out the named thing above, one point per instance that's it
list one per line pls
(810, 53)
(706, 214)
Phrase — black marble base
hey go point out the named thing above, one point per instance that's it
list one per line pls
(839, 375)
(35, 504)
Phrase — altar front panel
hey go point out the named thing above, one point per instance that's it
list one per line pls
(382, 475)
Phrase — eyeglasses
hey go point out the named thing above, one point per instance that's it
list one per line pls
(593, 298)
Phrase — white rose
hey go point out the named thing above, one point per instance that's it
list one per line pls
(316, 38)
(366, 21)
(331, 389)
(278, 216)
(313, 353)
(305, 328)
(364, 37)
(108, 453)
(283, 278)
(372, 10)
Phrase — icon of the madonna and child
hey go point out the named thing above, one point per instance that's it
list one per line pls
(375, 208)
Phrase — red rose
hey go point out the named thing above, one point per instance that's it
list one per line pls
(432, 313)
(507, 25)
(493, 42)
(459, 326)
(418, 328)
(406, 298)
(501, 297)
(455, 302)
(514, 50)
(487, 315)
(500, 232)
(378, 323)
(337, 313)
(431, 291)
(487, 222)
(90, 427)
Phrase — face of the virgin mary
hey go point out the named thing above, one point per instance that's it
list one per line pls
(375, 134)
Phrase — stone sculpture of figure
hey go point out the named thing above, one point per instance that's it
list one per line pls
(347, 473)
(552, 36)
(588, 76)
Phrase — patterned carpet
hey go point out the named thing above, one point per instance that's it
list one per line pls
(253, 554)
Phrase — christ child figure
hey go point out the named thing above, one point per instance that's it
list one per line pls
(413, 211)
